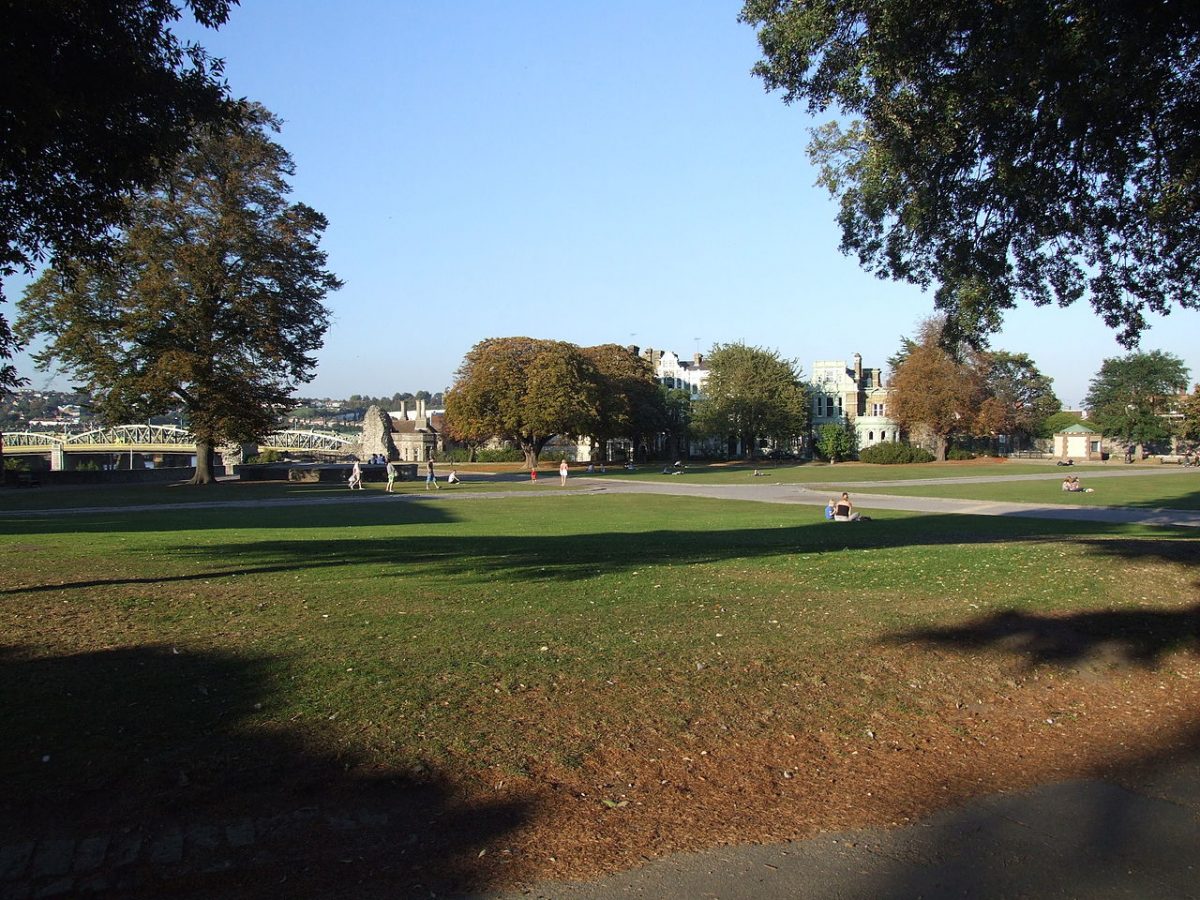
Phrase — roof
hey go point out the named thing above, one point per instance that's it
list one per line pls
(1078, 428)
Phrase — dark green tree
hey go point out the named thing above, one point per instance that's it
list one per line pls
(677, 406)
(1131, 396)
(752, 393)
(97, 98)
(213, 296)
(629, 400)
(1044, 150)
(835, 442)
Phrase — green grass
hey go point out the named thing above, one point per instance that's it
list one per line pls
(500, 635)
(1171, 491)
(807, 473)
(83, 496)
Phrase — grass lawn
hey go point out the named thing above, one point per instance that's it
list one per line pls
(1172, 491)
(634, 674)
(822, 473)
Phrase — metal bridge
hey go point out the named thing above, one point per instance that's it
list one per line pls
(162, 439)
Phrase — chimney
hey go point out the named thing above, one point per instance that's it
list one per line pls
(858, 368)
(698, 359)
(420, 412)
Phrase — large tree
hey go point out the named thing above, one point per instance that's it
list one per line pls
(1189, 423)
(750, 394)
(524, 390)
(213, 295)
(1044, 150)
(934, 393)
(96, 99)
(1131, 396)
(1018, 397)
(630, 402)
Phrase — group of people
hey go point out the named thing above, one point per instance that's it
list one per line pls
(1072, 485)
(840, 509)
(355, 479)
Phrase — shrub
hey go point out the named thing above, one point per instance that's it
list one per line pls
(959, 453)
(890, 453)
(493, 456)
(266, 457)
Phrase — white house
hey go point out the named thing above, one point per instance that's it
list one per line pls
(853, 395)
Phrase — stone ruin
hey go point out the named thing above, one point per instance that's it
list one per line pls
(377, 435)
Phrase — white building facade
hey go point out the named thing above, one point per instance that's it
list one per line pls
(852, 395)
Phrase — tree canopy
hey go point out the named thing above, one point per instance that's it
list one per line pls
(1018, 397)
(213, 294)
(1039, 150)
(752, 393)
(629, 402)
(524, 390)
(96, 99)
(1131, 395)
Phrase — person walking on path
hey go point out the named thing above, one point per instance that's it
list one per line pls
(563, 470)
(356, 476)
(430, 478)
(391, 475)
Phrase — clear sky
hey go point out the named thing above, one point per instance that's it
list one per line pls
(586, 172)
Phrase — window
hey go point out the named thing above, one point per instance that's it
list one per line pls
(871, 437)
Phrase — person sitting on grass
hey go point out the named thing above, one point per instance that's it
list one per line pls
(844, 510)
(829, 508)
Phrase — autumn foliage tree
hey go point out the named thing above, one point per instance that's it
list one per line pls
(524, 390)
(933, 393)
(212, 296)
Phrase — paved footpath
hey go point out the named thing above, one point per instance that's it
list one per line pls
(865, 501)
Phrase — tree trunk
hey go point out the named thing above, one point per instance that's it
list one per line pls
(940, 445)
(531, 456)
(204, 473)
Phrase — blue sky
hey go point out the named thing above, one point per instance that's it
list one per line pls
(586, 172)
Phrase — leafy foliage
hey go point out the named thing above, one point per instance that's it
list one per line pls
(835, 441)
(1019, 397)
(752, 393)
(522, 389)
(96, 99)
(213, 295)
(1131, 395)
(1189, 409)
(890, 453)
(1044, 150)
(934, 393)
(630, 403)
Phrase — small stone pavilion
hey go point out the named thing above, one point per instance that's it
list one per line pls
(1078, 442)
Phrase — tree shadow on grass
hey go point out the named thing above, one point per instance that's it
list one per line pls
(1131, 637)
(542, 558)
(149, 772)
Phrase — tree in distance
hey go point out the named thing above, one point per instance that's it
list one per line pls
(96, 99)
(933, 393)
(1189, 424)
(213, 296)
(1131, 396)
(752, 393)
(835, 441)
(1019, 397)
(524, 390)
(1042, 150)
(630, 403)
